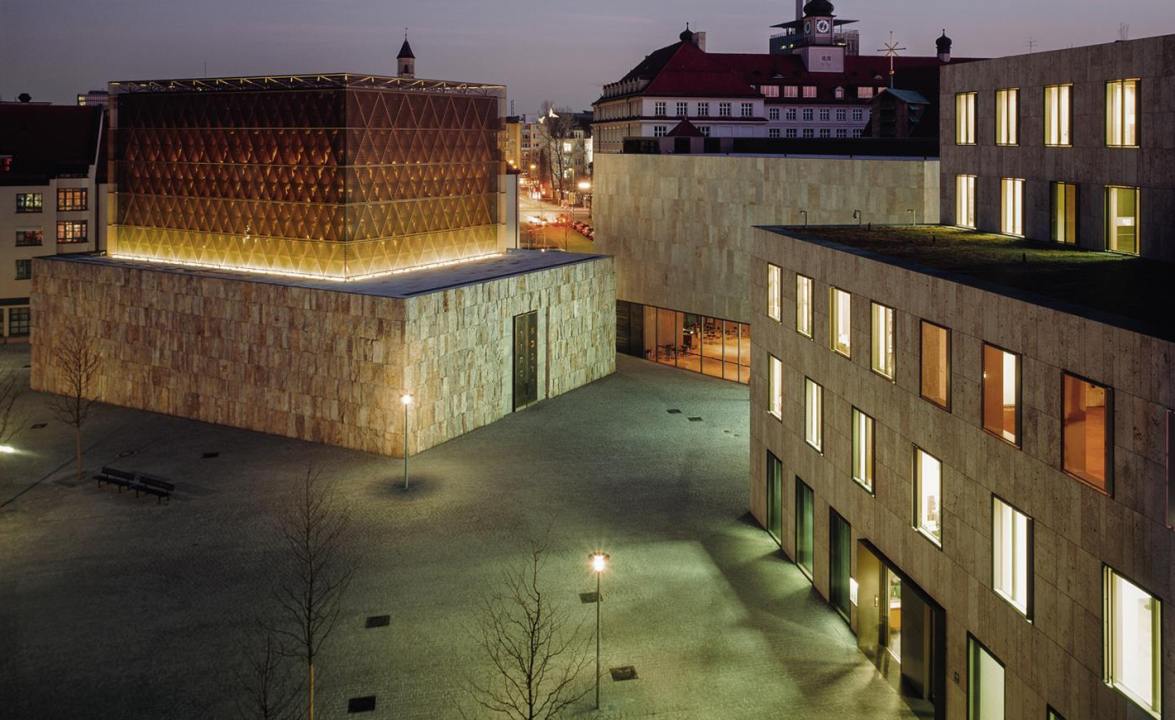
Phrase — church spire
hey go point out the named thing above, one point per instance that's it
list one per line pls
(406, 60)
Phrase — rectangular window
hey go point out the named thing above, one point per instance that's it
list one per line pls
(775, 386)
(1122, 113)
(1007, 117)
(24, 269)
(936, 364)
(1122, 219)
(814, 414)
(71, 199)
(659, 108)
(842, 133)
(771, 91)
(825, 132)
(682, 109)
(1012, 206)
(804, 290)
(840, 320)
(29, 238)
(825, 115)
(703, 109)
(30, 202)
(790, 132)
(71, 231)
(883, 357)
(928, 495)
(985, 683)
(864, 93)
(1011, 554)
(790, 114)
(747, 110)
(1001, 393)
(965, 118)
(863, 459)
(858, 115)
(857, 132)
(965, 201)
(1086, 440)
(841, 115)
(1133, 642)
(773, 133)
(659, 130)
(774, 275)
(18, 321)
(1063, 215)
(807, 114)
(1057, 115)
(773, 113)
(809, 91)
(723, 109)
(791, 91)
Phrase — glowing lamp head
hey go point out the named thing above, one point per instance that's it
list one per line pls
(599, 562)
(585, 185)
(406, 399)
(7, 449)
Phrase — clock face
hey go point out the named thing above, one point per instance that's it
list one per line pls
(807, 27)
(822, 26)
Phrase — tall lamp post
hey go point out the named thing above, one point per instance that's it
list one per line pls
(599, 561)
(406, 401)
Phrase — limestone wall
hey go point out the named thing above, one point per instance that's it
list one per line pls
(680, 226)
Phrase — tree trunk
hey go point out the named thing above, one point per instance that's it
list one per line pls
(78, 448)
(310, 691)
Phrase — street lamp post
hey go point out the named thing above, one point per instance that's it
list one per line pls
(599, 562)
(406, 401)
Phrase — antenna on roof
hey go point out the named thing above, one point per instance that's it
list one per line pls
(891, 50)
(1031, 45)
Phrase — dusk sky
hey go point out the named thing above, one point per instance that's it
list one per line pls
(542, 49)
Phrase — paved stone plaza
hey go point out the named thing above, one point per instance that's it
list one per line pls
(116, 607)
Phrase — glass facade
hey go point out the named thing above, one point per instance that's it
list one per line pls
(1058, 113)
(1007, 116)
(1086, 443)
(1133, 642)
(699, 343)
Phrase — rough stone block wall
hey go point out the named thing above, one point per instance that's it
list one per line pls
(1057, 657)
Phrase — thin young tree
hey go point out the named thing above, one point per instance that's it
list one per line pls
(314, 528)
(535, 655)
(76, 359)
(267, 690)
(11, 388)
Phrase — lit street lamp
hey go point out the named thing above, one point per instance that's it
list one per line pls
(599, 561)
(406, 400)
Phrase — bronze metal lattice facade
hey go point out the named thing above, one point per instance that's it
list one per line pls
(337, 176)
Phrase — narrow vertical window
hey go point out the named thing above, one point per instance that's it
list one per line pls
(1086, 442)
(804, 291)
(1007, 117)
(928, 495)
(840, 318)
(773, 288)
(1001, 393)
(1171, 468)
(1063, 217)
(882, 340)
(985, 683)
(936, 364)
(1011, 554)
(1122, 113)
(775, 386)
(965, 118)
(965, 201)
(863, 458)
(1122, 219)
(1133, 644)
(1012, 206)
(814, 414)
(1057, 115)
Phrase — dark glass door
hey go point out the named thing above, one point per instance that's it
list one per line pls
(526, 359)
(840, 555)
(804, 527)
(774, 497)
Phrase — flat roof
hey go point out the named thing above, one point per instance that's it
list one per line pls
(309, 81)
(1134, 293)
(404, 284)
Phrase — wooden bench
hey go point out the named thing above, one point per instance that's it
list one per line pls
(121, 478)
(153, 485)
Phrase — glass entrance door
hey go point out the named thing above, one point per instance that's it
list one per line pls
(840, 554)
(893, 614)
(804, 527)
(774, 497)
(526, 359)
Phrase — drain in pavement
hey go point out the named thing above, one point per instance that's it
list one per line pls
(673, 411)
(587, 598)
(361, 704)
(376, 621)
(695, 419)
(628, 672)
(210, 455)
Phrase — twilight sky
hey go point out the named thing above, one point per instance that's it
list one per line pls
(562, 50)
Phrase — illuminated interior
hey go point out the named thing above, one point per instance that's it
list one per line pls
(883, 357)
(1011, 544)
(936, 364)
(1007, 117)
(840, 315)
(1133, 633)
(1057, 115)
(1122, 113)
(804, 305)
(773, 288)
(775, 386)
(1001, 393)
(1122, 219)
(965, 201)
(1064, 213)
(699, 343)
(1012, 206)
(1086, 431)
(813, 414)
(985, 683)
(928, 495)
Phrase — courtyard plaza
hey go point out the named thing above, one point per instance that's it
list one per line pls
(113, 606)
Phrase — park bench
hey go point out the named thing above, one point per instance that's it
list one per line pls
(153, 485)
(121, 478)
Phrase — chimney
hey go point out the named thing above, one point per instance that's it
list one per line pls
(799, 10)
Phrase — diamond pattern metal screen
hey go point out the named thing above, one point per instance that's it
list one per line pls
(339, 182)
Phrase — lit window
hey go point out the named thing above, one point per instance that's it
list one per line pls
(863, 460)
(813, 414)
(24, 269)
(1007, 117)
(1122, 113)
(928, 495)
(809, 91)
(840, 317)
(775, 386)
(965, 201)
(791, 91)
(1063, 217)
(936, 364)
(1012, 206)
(1011, 554)
(1122, 219)
(1057, 114)
(773, 291)
(807, 114)
(883, 343)
(839, 93)
(71, 199)
(1085, 438)
(771, 91)
(1001, 393)
(1133, 642)
(804, 286)
(985, 683)
(864, 93)
(71, 231)
(965, 118)
(29, 202)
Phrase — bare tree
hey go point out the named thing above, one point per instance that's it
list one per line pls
(11, 388)
(313, 527)
(537, 657)
(268, 692)
(76, 359)
(558, 126)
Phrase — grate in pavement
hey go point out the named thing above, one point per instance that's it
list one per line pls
(628, 672)
(38, 426)
(361, 704)
(695, 419)
(210, 455)
(376, 621)
(673, 411)
(587, 598)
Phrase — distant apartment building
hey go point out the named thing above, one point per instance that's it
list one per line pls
(512, 141)
(51, 170)
(1072, 146)
(814, 86)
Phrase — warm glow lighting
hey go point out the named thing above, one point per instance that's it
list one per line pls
(585, 185)
(295, 274)
(406, 399)
(599, 562)
(7, 449)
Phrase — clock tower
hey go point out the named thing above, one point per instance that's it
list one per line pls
(819, 48)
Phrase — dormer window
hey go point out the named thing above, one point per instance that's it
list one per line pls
(839, 93)
(864, 93)
(809, 91)
(771, 91)
(791, 91)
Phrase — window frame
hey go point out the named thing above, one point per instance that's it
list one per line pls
(1064, 119)
(1030, 591)
(67, 194)
(922, 323)
(834, 300)
(871, 454)
(1108, 573)
(1071, 229)
(818, 446)
(27, 265)
(1007, 117)
(1109, 441)
(26, 208)
(1137, 191)
(874, 306)
(774, 387)
(1019, 441)
(965, 106)
(917, 487)
(1012, 218)
(70, 225)
(775, 292)
(967, 208)
(974, 642)
(1120, 142)
(806, 319)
